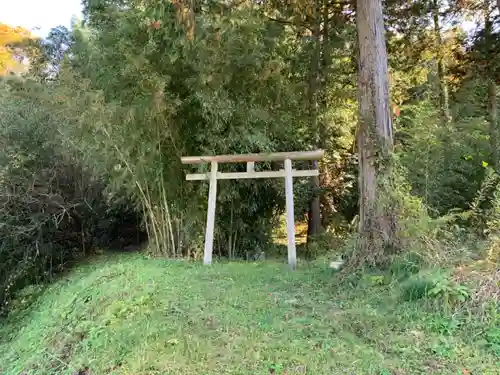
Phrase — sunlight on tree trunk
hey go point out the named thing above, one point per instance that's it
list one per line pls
(314, 217)
(492, 96)
(325, 178)
(441, 68)
(375, 137)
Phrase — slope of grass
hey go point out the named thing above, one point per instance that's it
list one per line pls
(133, 315)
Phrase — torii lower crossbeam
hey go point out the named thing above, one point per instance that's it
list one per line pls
(287, 173)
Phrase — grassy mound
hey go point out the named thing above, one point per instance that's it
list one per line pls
(133, 315)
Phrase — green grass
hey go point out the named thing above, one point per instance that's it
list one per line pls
(133, 315)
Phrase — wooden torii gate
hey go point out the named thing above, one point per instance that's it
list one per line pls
(288, 173)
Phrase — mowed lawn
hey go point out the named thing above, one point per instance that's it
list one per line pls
(129, 314)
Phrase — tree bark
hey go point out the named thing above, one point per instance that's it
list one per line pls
(375, 135)
(444, 105)
(325, 168)
(314, 217)
(492, 97)
(493, 120)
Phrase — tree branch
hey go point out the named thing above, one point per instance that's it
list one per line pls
(288, 22)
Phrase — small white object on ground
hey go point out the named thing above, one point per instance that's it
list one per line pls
(336, 264)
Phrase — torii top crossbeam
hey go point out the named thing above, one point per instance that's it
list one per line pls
(242, 158)
(288, 173)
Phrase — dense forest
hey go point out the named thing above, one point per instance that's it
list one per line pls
(401, 95)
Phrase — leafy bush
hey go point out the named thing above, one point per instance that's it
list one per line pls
(449, 292)
(51, 209)
(493, 340)
(417, 287)
(437, 287)
(403, 266)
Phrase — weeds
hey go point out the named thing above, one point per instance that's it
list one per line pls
(133, 315)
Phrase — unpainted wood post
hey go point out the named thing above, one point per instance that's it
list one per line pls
(290, 216)
(209, 231)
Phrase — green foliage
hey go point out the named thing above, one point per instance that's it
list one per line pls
(443, 325)
(52, 208)
(132, 315)
(403, 266)
(436, 287)
(137, 85)
(493, 339)
(448, 291)
(416, 288)
(484, 211)
(446, 165)
(225, 91)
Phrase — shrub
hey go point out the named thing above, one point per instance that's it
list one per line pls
(437, 287)
(416, 287)
(51, 208)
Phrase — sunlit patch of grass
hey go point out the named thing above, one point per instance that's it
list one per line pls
(280, 236)
(133, 315)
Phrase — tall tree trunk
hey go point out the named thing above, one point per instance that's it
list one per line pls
(327, 208)
(377, 221)
(444, 105)
(492, 97)
(314, 218)
(494, 112)
(493, 120)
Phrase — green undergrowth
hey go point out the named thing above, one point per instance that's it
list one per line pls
(132, 315)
